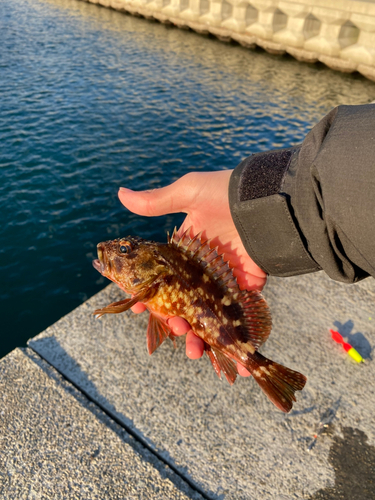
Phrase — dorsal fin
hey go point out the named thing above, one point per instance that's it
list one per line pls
(250, 306)
(180, 241)
(209, 258)
(258, 322)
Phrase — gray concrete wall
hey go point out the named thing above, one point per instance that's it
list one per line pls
(340, 34)
(86, 413)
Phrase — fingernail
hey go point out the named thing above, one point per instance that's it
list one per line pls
(125, 190)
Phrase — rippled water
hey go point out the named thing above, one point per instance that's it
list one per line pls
(91, 99)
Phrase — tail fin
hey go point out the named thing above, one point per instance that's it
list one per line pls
(276, 381)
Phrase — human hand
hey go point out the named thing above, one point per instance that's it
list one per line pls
(203, 196)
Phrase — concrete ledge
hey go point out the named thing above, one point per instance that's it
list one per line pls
(54, 443)
(341, 35)
(230, 442)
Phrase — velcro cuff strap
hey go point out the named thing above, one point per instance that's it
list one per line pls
(269, 235)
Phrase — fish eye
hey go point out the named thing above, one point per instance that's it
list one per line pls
(125, 248)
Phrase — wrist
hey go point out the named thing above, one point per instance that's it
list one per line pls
(263, 216)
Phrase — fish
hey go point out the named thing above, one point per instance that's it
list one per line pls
(186, 277)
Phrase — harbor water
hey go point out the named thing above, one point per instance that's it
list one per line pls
(91, 100)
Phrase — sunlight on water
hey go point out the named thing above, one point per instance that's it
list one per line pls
(92, 99)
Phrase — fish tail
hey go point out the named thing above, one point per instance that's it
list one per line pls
(276, 381)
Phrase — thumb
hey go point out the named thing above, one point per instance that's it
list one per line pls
(167, 200)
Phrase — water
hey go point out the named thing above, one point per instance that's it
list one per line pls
(91, 99)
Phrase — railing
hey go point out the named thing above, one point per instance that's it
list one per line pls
(338, 34)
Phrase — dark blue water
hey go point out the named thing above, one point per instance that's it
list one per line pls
(91, 99)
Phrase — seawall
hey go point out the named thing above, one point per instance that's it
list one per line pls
(339, 34)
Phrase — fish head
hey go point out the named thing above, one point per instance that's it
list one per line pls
(131, 262)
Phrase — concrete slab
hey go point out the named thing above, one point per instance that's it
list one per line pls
(54, 443)
(230, 441)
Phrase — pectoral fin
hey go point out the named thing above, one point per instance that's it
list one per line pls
(222, 363)
(157, 332)
(122, 305)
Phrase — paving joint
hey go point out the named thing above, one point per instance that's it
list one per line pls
(126, 428)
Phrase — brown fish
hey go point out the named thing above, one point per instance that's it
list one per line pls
(186, 277)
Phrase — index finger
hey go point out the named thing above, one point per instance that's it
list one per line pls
(179, 326)
(138, 308)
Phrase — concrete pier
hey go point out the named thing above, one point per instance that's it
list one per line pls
(86, 413)
(341, 34)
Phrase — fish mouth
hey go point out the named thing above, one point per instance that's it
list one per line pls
(97, 265)
(101, 264)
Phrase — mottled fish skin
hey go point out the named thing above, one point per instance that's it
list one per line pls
(212, 311)
(187, 278)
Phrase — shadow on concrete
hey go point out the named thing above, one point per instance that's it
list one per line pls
(356, 340)
(86, 392)
(294, 413)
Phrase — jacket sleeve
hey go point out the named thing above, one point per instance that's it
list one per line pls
(312, 206)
